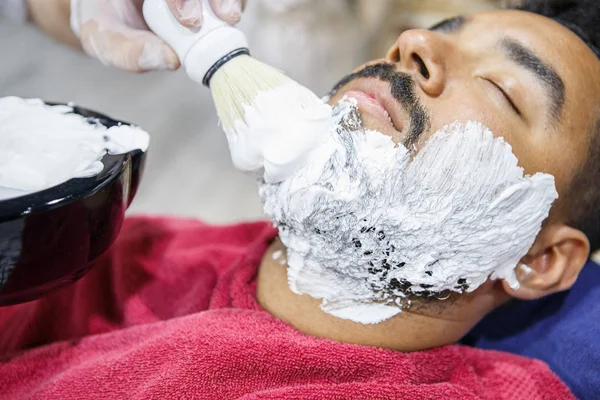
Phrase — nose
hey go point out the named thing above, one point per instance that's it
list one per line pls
(422, 53)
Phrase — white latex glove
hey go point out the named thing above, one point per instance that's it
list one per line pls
(114, 31)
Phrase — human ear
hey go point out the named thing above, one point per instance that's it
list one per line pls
(552, 264)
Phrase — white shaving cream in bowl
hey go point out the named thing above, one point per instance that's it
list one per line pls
(42, 146)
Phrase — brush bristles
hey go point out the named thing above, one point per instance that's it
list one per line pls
(237, 83)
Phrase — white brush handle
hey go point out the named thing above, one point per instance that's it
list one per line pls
(198, 50)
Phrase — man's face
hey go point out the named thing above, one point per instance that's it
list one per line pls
(526, 77)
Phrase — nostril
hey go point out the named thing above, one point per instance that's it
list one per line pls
(395, 56)
(422, 67)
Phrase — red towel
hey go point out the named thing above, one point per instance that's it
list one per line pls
(170, 313)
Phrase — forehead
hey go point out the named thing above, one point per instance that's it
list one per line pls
(560, 48)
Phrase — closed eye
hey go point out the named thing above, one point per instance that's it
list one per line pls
(506, 97)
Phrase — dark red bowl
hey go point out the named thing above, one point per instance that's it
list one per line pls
(51, 238)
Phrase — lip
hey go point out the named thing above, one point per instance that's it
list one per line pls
(374, 97)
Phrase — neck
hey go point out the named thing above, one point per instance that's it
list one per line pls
(415, 329)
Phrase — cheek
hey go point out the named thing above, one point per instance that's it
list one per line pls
(464, 107)
(535, 151)
(553, 153)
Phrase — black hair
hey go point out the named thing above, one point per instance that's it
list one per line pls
(580, 16)
(582, 209)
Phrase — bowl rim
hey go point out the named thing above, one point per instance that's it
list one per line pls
(73, 189)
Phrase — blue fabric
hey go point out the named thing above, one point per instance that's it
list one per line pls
(562, 330)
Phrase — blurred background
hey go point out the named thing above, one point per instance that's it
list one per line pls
(189, 172)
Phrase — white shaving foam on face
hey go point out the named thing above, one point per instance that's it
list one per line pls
(366, 224)
(42, 146)
(281, 129)
(277, 254)
(526, 270)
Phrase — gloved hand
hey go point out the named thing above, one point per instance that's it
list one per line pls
(114, 31)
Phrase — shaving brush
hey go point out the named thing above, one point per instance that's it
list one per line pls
(272, 123)
(217, 56)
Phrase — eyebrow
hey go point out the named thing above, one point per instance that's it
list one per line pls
(450, 25)
(544, 73)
